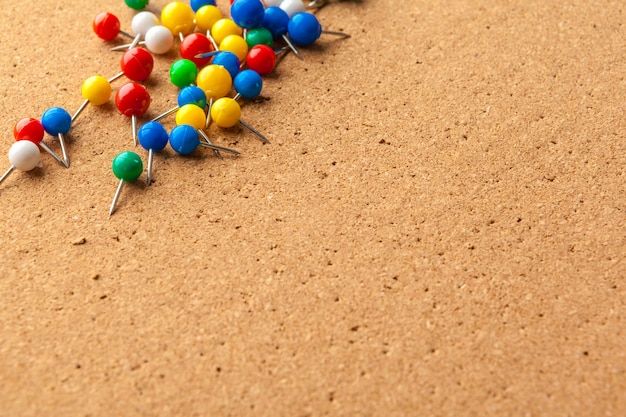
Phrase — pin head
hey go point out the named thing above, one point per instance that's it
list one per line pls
(291, 7)
(224, 27)
(24, 155)
(183, 72)
(304, 28)
(259, 36)
(225, 112)
(248, 83)
(206, 16)
(262, 59)
(159, 40)
(197, 4)
(247, 13)
(235, 44)
(215, 81)
(127, 166)
(229, 61)
(28, 129)
(56, 121)
(192, 95)
(184, 139)
(136, 4)
(192, 115)
(137, 64)
(106, 26)
(142, 22)
(178, 17)
(194, 44)
(153, 136)
(132, 99)
(275, 20)
(96, 89)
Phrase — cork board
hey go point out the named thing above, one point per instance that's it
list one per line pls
(437, 227)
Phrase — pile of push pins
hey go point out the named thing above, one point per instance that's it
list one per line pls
(217, 55)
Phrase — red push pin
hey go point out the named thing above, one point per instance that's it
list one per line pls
(136, 65)
(107, 26)
(262, 59)
(132, 100)
(194, 45)
(32, 130)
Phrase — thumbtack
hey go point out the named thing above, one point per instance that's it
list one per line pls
(56, 121)
(141, 23)
(107, 26)
(304, 29)
(127, 167)
(259, 36)
(188, 95)
(206, 16)
(292, 7)
(276, 20)
(136, 64)
(226, 113)
(29, 129)
(195, 45)
(132, 100)
(248, 84)
(95, 90)
(198, 4)
(262, 59)
(183, 72)
(179, 18)
(184, 139)
(235, 44)
(247, 14)
(192, 115)
(23, 155)
(224, 27)
(153, 137)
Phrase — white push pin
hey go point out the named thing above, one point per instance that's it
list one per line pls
(23, 155)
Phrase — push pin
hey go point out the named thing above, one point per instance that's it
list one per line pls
(184, 139)
(152, 137)
(259, 36)
(179, 18)
(107, 26)
(224, 27)
(159, 40)
(247, 14)
(29, 129)
(194, 45)
(226, 113)
(206, 16)
(141, 23)
(141, 4)
(95, 90)
(188, 95)
(132, 100)
(262, 59)
(23, 155)
(235, 44)
(216, 81)
(226, 59)
(183, 72)
(127, 167)
(136, 64)
(292, 7)
(276, 20)
(304, 29)
(248, 84)
(198, 4)
(56, 121)
(192, 115)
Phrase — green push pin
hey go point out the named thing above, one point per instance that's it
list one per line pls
(183, 73)
(259, 36)
(127, 166)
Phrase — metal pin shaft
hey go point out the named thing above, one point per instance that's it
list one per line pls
(6, 174)
(208, 141)
(253, 130)
(115, 197)
(80, 109)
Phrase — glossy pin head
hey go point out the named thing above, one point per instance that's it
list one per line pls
(127, 167)
(188, 95)
(262, 59)
(23, 155)
(248, 84)
(152, 137)
(235, 44)
(291, 7)
(190, 114)
(184, 139)
(29, 129)
(198, 4)
(247, 14)
(304, 28)
(226, 113)
(215, 81)
(259, 36)
(137, 64)
(159, 40)
(56, 121)
(224, 27)
(229, 61)
(195, 44)
(95, 90)
(206, 16)
(179, 18)
(183, 72)
(276, 20)
(142, 22)
(107, 26)
(136, 4)
(132, 100)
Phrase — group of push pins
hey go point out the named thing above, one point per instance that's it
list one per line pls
(217, 55)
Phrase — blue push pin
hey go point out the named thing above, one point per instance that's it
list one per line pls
(188, 95)
(247, 14)
(57, 122)
(197, 4)
(304, 29)
(184, 139)
(276, 21)
(248, 84)
(153, 137)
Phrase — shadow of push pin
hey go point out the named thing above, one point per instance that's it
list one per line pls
(132, 100)
(152, 137)
(226, 113)
(23, 155)
(56, 121)
(96, 90)
(29, 129)
(127, 167)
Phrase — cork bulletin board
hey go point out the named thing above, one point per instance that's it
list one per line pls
(437, 227)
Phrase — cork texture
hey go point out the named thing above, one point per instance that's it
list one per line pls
(436, 229)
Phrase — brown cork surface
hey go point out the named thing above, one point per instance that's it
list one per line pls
(436, 229)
